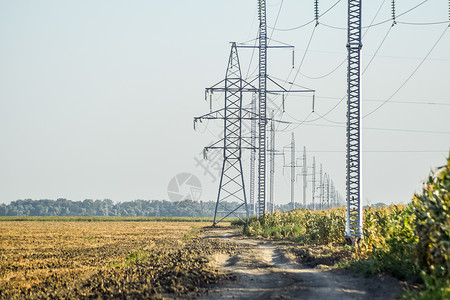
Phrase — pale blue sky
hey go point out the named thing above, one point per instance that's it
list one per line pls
(97, 98)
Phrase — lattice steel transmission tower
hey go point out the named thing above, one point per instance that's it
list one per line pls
(321, 187)
(272, 163)
(253, 139)
(304, 174)
(313, 195)
(354, 213)
(262, 107)
(231, 186)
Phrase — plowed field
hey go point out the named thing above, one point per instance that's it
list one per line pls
(106, 260)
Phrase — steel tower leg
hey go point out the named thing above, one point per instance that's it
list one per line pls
(262, 107)
(354, 212)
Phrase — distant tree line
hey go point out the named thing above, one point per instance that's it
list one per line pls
(106, 207)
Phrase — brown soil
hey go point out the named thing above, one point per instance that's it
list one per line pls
(270, 270)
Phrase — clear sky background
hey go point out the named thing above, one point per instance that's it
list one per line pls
(97, 98)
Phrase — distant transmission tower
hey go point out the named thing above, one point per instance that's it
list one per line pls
(354, 214)
(305, 174)
(272, 162)
(313, 196)
(321, 187)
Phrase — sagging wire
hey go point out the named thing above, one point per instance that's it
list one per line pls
(276, 20)
(303, 58)
(309, 22)
(345, 96)
(328, 74)
(345, 59)
(410, 76)
(378, 49)
(300, 123)
(382, 22)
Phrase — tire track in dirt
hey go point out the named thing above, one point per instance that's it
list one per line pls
(265, 270)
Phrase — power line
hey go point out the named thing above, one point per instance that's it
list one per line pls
(305, 24)
(328, 74)
(378, 128)
(378, 49)
(276, 20)
(382, 22)
(343, 61)
(379, 151)
(379, 100)
(410, 76)
(424, 24)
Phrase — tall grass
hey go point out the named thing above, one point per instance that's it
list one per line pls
(411, 242)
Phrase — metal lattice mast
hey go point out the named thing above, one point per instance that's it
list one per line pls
(354, 214)
(305, 178)
(253, 138)
(231, 187)
(231, 197)
(327, 190)
(332, 194)
(321, 187)
(313, 196)
(272, 162)
(292, 171)
(262, 107)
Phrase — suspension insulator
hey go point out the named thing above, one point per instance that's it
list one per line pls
(393, 12)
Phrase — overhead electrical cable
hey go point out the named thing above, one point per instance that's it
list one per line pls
(379, 100)
(379, 23)
(345, 59)
(410, 76)
(305, 24)
(378, 49)
(328, 74)
(424, 24)
(305, 123)
(251, 58)
(303, 59)
(297, 124)
(376, 151)
(276, 20)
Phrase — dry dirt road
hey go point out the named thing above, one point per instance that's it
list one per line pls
(265, 270)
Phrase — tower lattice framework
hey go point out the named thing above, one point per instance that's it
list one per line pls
(354, 208)
(231, 196)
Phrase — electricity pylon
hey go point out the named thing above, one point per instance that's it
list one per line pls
(305, 174)
(253, 139)
(354, 214)
(313, 196)
(272, 162)
(261, 116)
(292, 165)
(262, 107)
(231, 186)
(321, 187)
